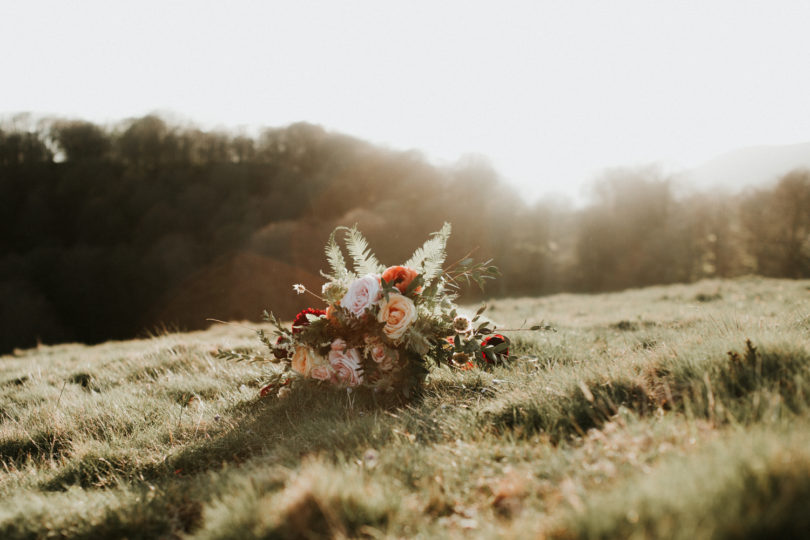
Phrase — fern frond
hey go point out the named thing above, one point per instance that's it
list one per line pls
(334, 256)
(364, 260)
(417, 341)
(429, 258)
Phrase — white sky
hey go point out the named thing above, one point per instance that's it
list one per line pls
(551, 92)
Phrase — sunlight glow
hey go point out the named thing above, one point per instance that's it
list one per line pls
(550, 92)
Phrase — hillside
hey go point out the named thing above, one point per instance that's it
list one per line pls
(750, 167)
(680, 411)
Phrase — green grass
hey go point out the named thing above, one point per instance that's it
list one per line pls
(680, 411)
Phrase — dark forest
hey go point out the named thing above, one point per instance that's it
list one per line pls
(110, 232)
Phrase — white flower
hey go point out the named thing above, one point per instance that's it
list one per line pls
(299, 288)
(462, 324)
(363, 293)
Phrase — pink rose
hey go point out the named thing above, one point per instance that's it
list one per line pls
(339, 344)
(385, 357)
(346, 366)
(363, 293)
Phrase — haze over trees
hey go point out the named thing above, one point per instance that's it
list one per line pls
(108, 231)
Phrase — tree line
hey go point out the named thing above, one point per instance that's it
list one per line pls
(110, 231)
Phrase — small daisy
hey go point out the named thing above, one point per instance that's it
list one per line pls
(299, 288)
(462, 324)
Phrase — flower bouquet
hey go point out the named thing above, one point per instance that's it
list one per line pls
(383, 328)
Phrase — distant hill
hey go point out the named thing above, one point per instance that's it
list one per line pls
(750, 166)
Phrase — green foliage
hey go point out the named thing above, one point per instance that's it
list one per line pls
(429, 258)
(337, 262)
(418, 340)
(472, 272)
(364, 260)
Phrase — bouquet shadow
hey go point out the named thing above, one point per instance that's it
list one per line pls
(311, 421)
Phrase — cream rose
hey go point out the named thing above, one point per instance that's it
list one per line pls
(398, 312)
(363, 293)
(346, 367)
(304, 359)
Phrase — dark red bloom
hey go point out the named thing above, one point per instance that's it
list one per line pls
(301, 320)
(493, 341)
(267, 390)
(279, 351)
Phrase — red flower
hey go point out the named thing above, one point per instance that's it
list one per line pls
(279, 351)
(494, 340)
(301, 320)
(267, 390)
(400, 277)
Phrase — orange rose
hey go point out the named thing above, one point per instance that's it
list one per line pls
(398, 312)
(400, 277)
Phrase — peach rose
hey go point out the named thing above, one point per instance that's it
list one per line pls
(398, 312)
(322, 372)
(346, 367)
(400, 277)
(363, 293)
(304, 359)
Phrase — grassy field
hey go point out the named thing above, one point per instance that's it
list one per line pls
(675, 412)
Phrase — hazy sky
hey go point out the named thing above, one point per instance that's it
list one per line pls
(550, 91)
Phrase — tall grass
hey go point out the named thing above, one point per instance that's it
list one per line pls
(675, 411)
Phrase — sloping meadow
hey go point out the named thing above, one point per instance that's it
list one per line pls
(677, 411)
